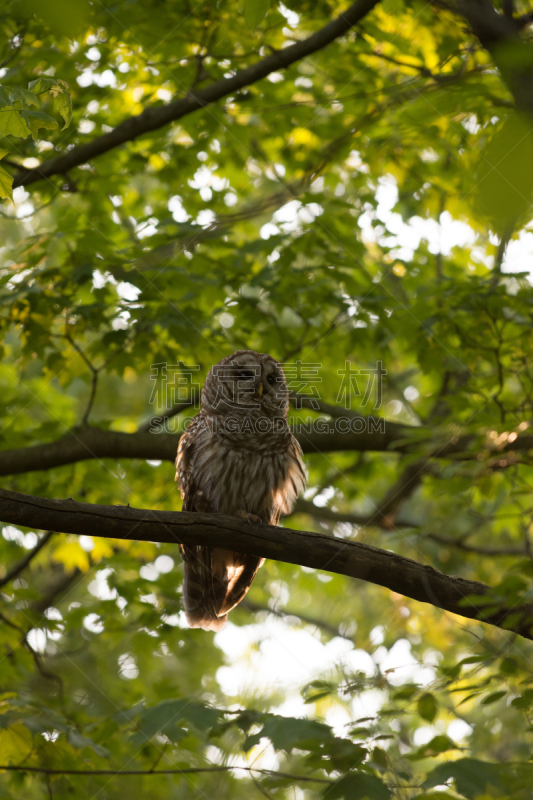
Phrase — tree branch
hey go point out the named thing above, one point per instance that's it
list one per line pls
(249, 605)
(297, 399)
(53, 593)
(160, 419)
(94, 372)
(356, 433)
(509, 550)
(87, 443)
(356, 560)
(28, 558)
(157, 116)
(327, 514)
(407, 483)
(171, 771)
(500, 36)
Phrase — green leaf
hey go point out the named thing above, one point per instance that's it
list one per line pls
(165, 718)
(286, 733)
(12, 123)
(427, 706)
(509, 666)
(493, 698)
(6, 184)
(405, 692)
(255, 11)
(24, 96)
(524, 701)
(316, 690)
(42, 84)
(63, 107)
(472, 777)
(379, 758)
(357, 786)
(5, 99)
(439, 744)
(80, 742)
(392, 6)
(37, 120)
(15, 743)
(64, 17)
(436, 796)
(504, 190)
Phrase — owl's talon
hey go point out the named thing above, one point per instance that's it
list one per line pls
(248, 517)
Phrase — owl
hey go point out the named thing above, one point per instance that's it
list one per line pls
(238, 456)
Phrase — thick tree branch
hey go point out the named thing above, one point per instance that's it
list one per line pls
(354, 559)
(356, 433)
(157, 116)
(87, 443)
(500, 35)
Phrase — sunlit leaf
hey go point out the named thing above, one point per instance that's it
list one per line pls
(255, 11)
(13, 123)
(36, 120)
(504, 188)
(6, 184)
(427, 706)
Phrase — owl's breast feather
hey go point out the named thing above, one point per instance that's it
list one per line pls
(240, 474)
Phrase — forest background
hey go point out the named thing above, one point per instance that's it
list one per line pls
(348, 188)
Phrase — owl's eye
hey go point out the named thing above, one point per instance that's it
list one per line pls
(245, 374)
(271, 379)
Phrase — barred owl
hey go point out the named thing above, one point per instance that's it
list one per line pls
(237, 457)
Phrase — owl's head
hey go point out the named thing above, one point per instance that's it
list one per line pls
(246, 384)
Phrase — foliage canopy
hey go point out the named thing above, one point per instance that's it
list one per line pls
(367, 202)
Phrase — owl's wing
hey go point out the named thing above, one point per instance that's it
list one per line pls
(214, 580)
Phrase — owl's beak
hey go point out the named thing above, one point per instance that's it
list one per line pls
(260, 389)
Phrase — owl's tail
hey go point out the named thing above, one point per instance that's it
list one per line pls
(214, 582)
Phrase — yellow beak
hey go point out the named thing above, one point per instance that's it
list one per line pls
(260, 389)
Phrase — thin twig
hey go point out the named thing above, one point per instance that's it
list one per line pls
(325, 513)
(170, 771)
(317, 623)
(28, 558)
(159, 419)
(94, 382)
(36, 657)
(500, 255)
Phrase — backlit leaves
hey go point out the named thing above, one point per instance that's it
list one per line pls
(504, 178)
(19, 119)
(255, 11)
(347, 209)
